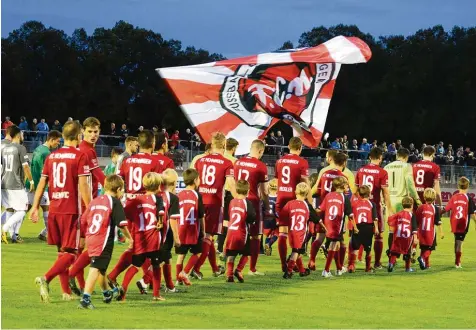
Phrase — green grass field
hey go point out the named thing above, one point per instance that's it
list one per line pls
(442, 297)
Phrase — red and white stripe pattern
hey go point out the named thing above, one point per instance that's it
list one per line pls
(216, 96)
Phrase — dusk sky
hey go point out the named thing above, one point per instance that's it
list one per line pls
(240, 27)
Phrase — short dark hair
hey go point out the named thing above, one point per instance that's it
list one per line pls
(189, 176)
(14, 131)
(231, 143)
(407, 202)
(9, 129)
(376, 153)
(340, 158)
(295, 143)
(429, 151)
(116, 151)
(53, 135)
(242, 187)
(364, 191)
(146, 139)
(160, 139)
(403, 153)
(92, 122)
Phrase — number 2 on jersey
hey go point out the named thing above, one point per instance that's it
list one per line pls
(235, 221)
(150, 217)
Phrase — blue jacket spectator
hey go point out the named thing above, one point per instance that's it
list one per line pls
(43, 130)
(336, 144)
(366, 148)
(23, 124)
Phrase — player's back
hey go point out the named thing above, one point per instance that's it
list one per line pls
(98, 224)
(38, 161)
(461, 207)
(189, 224)
(425, 173)
(164, 162)
(133, 170)
(289, 171)
(13, 157)
(299, 215)
(325, 182)
(398, 172)
(363, 210)
(426, 215)
(252, 170)
(63, 168)
(238, 227)
(375, 177)
(213, 170)
(335, 207)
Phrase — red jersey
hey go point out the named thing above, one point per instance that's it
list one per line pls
(365, 212)
(461, 207)
(289, 171)
(336, 206)
(425, 174)
(428, 217)
(90, 151)
(143, 213)
(133, 170)
(103, 214)
(404, 225)
(62, 168)
(191, 211)
(252, 170)
(375, 177)
(325, 182)
(242, 214)
(164, 162)
(213, 170)
(298, 214)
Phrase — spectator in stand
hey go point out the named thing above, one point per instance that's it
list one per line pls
(196, 142)
(392, 152)
(155, 129)
(57, 126)
(440, 149)
(34, 128)
(43, 130)
(175, 140)
(124, 131)
(271, 142)
(398, 145)
(112, 131)
(189, 138)
(383, 146)
(140, 129)
(336, 144)
(23, 124)
(7, 123)
(354, 150)
(70, 119)
(280, 142)
(374, 144)
(165, 133)
(414, 154)
(365, 148)
(459, 159)
(450, 150)
(177, 156)
(344, 143)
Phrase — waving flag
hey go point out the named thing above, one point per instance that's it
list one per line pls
(244, 97)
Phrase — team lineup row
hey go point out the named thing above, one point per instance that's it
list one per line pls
(156, 221)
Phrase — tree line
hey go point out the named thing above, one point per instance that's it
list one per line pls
(418, 88)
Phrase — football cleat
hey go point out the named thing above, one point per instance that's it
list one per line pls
(458, 266)
(107, 298)
(4, 237)
(378, 266)
(306, 272)
(256, 273)
(183, 279)
(196, 275)
(67, 297)
(344, 269)
(85, 305)
(339, 272)
(173, 290)
(311, 265)
(112, 283)
(370, 271)
(390, 267)
(18, 238)
(121, 294)
(239, 276)
(230, 279)
(42, 237)
(409, 270)
(268, 250)
(326, 274)
(219, 272)
(287, 275)
(351, 269)
(421, 262)
(142, 290)
(74, 288)
(159, 298)
(44, 289)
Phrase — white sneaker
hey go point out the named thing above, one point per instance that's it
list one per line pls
(67, 297)
(339, 272)
(257, 273)
(458, 266)
(326, 274)
(44, 289)
(344, 269)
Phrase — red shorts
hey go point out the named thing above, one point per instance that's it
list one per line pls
(297, 238)
(63, 230)
(257, 228)
(279, 206)
(213, 219)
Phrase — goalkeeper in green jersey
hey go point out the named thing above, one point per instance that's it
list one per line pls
(400, 184)
(39, 156)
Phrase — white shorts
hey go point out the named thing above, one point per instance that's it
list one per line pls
(44, 201)
(15, 199)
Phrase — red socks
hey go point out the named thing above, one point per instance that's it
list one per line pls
(291, 264)
(191, 263)
(457, 258)
(205, 250)
(131, 272)
(78, 268)
(408, 263)
(330, 256)
(314, 249)
(368, 260)
(167, 269)
(242, 263)
(212, 257)
(254, 246)
(342, 251)
(361, 251)
(156, 281)
(178, 270)
(229, 268)
(64, 281)
(351, 261)
(300, 265)
(148, 276)
(125, 261)
(283, 248)
(393, 259)
(61, 265)
(378, 248)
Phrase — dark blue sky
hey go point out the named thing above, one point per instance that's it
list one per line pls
(240, 27)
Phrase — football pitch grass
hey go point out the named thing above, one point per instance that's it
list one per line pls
(442, 297)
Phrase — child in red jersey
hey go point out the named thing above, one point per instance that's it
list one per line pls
(462, 209)
(298, 213)
(404, 226)
(336, 207)
(191, 227)
(242, 214)
(428, 216)
(101, 217)
(365, 213)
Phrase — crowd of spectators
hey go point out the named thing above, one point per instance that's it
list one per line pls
(275, 141)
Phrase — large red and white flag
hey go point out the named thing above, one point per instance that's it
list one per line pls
(244, 97)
